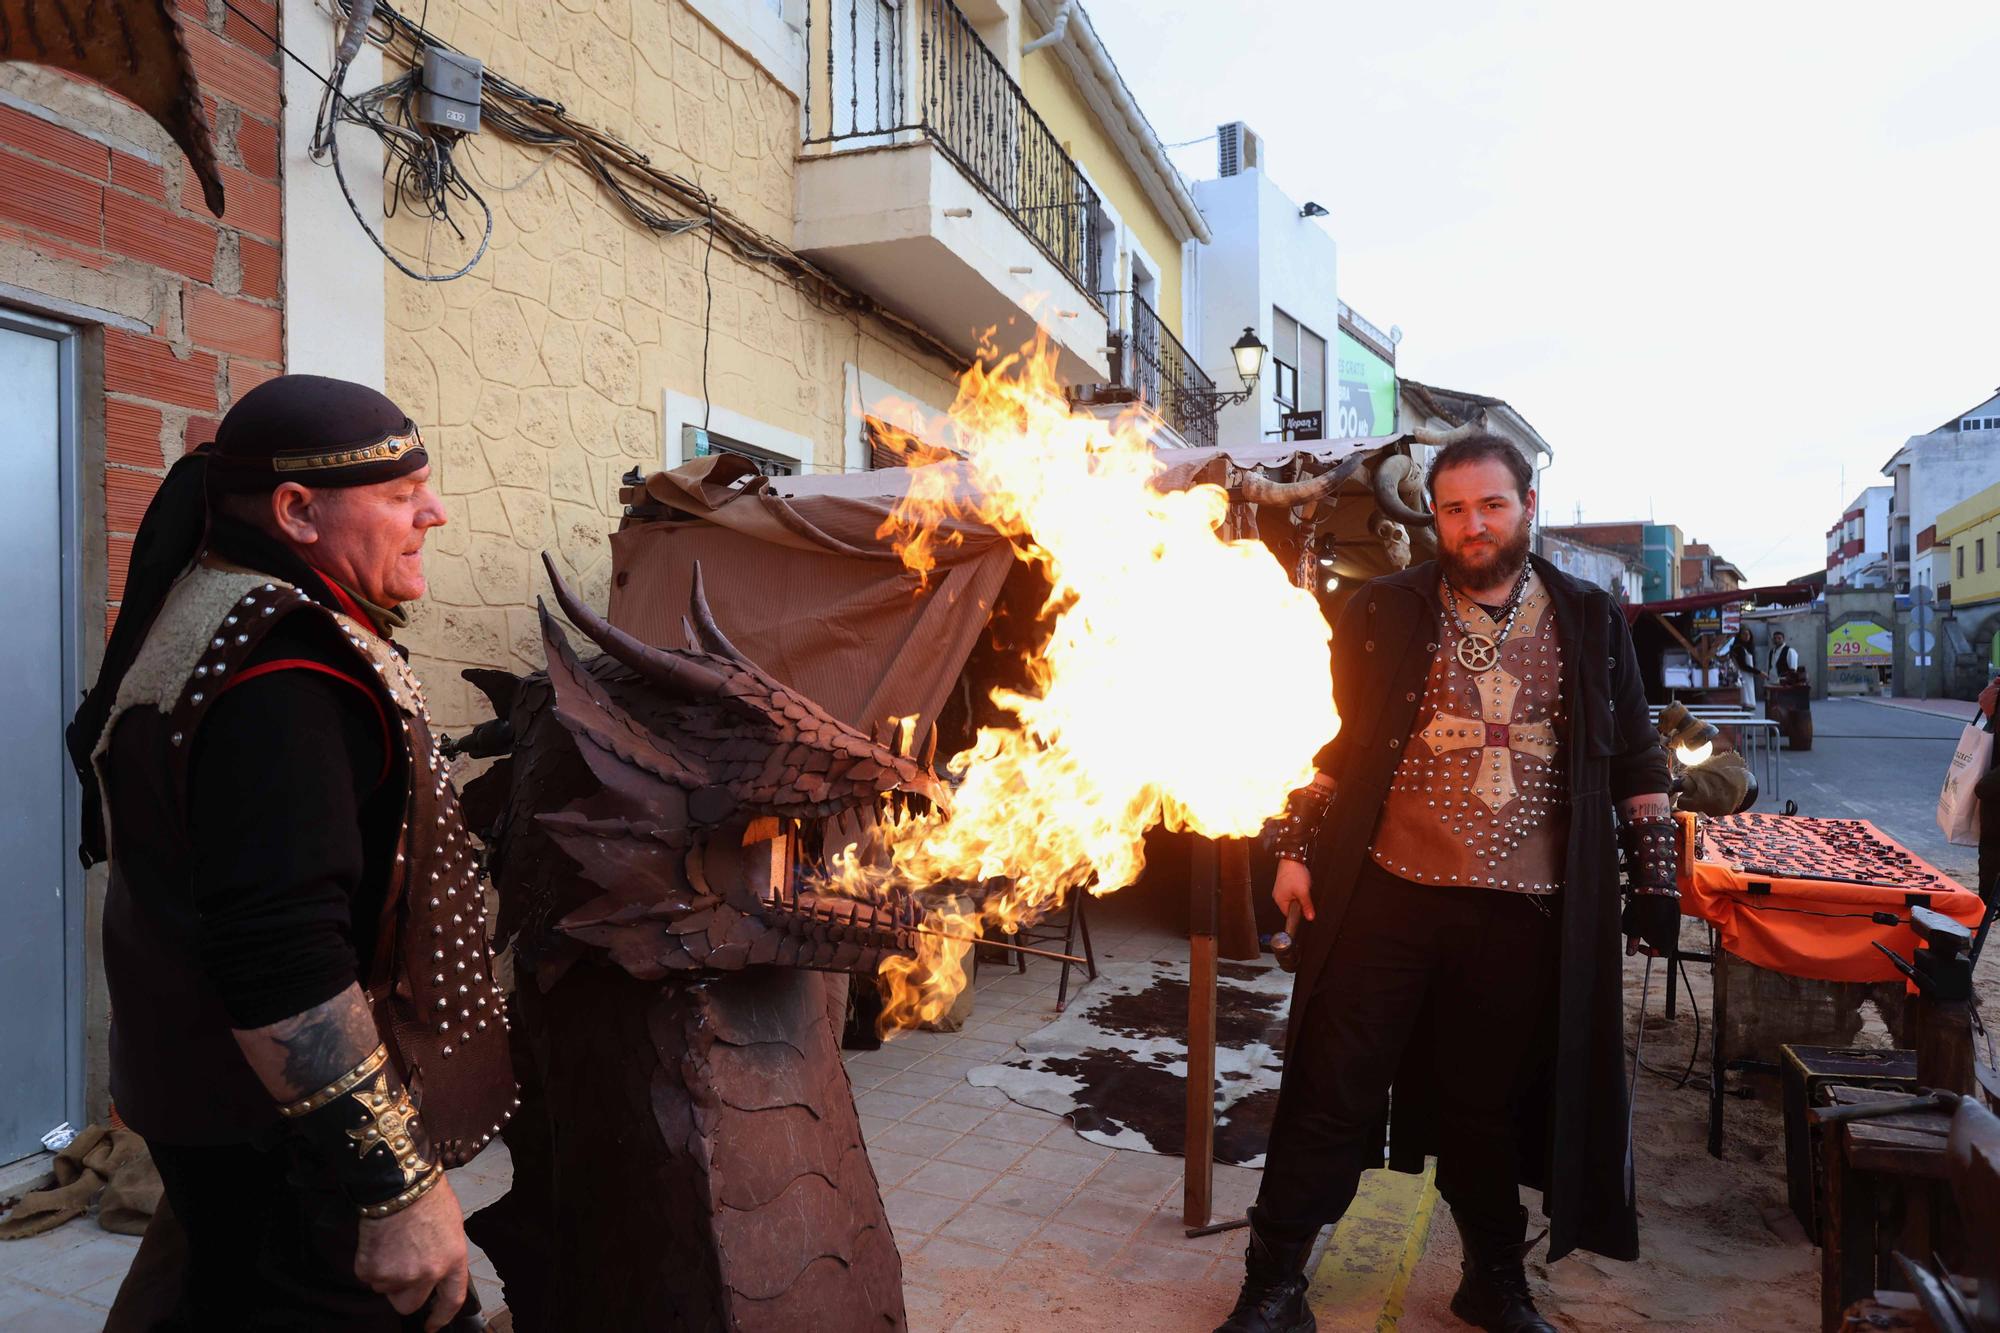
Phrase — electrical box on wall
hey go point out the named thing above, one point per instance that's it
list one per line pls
(448, 96)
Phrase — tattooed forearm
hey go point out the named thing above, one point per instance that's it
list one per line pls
(1652, 804)
(298, 1056)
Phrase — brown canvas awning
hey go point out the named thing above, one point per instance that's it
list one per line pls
(800, 581)
(1781, 594)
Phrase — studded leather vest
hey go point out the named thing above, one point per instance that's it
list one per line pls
(1481, 794)
(431, 986)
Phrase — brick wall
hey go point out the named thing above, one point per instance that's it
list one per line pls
(101, 210)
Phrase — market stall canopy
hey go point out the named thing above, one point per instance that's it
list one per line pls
(1784, 594)
(803, 581)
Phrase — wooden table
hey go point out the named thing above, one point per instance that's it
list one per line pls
(1888, 1188)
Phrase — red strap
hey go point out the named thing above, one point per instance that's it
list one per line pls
(306, 664)
(349, 607)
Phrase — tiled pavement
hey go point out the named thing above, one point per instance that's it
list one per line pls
(1006, 1218)
(64, 1281)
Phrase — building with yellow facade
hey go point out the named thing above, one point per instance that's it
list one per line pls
(1971, 531)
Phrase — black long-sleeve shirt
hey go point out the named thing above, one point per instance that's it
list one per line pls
(284, 786)
(294, 804)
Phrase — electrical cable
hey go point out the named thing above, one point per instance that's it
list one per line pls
(657, 199)
(536, 121)
(707, 314)
(1686, 1077)
(424, 168)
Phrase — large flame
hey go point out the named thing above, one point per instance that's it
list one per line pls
(1183, 680)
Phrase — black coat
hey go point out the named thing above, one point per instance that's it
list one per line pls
(1574, 1141)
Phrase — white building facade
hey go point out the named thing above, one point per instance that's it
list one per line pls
(1929, 474)
(1857, 546)
(1270, 266)
(1617, 574)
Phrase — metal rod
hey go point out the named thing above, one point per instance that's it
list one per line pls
(998, 944)
(1777, 872)
(1213, 1228)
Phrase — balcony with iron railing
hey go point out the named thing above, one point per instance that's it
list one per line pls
(928, 179)
(1149, 360)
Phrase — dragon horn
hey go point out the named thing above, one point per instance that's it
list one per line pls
(664, 669)
(701, 629)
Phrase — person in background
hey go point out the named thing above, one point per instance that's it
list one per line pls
(1784, 659)
(1743, 652)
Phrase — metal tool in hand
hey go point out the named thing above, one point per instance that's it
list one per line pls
(1638, 1045)
(1282, 946)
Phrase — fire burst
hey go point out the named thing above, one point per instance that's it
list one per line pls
(1183, 680)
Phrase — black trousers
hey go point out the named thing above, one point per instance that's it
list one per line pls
(1481, 963)
(252, 1239)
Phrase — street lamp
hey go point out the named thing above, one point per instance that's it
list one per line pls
(1248, 351)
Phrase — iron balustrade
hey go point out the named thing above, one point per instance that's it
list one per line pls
(880, 70)
(1149, 359)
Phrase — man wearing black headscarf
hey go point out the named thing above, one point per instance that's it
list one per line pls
(304, 1025)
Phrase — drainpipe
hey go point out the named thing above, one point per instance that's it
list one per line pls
(1057, 30)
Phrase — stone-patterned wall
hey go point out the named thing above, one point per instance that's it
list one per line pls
(539, 377)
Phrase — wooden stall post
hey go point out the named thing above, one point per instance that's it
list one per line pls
(1236, 934)
(1199, 1176)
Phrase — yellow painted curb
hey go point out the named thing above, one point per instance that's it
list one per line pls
(1366, 1266)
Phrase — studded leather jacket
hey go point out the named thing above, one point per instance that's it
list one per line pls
(177, 1074)
(1481, 794)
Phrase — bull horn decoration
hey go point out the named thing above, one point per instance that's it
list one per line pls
(1438, 439)
(1388, 480)
(132, 47)
(1251, 488)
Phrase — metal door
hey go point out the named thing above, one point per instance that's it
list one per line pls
(40, 885)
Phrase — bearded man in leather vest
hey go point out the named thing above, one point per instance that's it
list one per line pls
(1457, 869)
(304, 1024)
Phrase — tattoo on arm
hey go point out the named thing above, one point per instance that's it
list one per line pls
(1651, 805)
(298, 1056)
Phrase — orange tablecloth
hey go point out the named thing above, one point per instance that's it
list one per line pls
(1810, 927)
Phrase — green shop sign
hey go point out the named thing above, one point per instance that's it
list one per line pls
(1367, 391)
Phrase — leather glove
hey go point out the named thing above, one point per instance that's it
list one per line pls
(1654, 918)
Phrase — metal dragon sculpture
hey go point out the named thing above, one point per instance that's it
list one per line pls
(687, 1154)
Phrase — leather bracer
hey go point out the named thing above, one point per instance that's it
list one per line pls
(1295, 834)
(1652, 861)
(365, 1127)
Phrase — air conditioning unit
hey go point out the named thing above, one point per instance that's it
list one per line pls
(1238, 149)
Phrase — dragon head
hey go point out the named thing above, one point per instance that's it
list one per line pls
(658, 804)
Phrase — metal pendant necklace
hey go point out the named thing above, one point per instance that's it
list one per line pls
(1480, 652)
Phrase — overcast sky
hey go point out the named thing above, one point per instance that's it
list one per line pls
(1724, 257)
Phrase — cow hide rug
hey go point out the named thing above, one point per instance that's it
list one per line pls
(1116, 1062)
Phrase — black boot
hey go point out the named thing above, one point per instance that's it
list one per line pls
(1273, 1299)
(1493, 1293)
